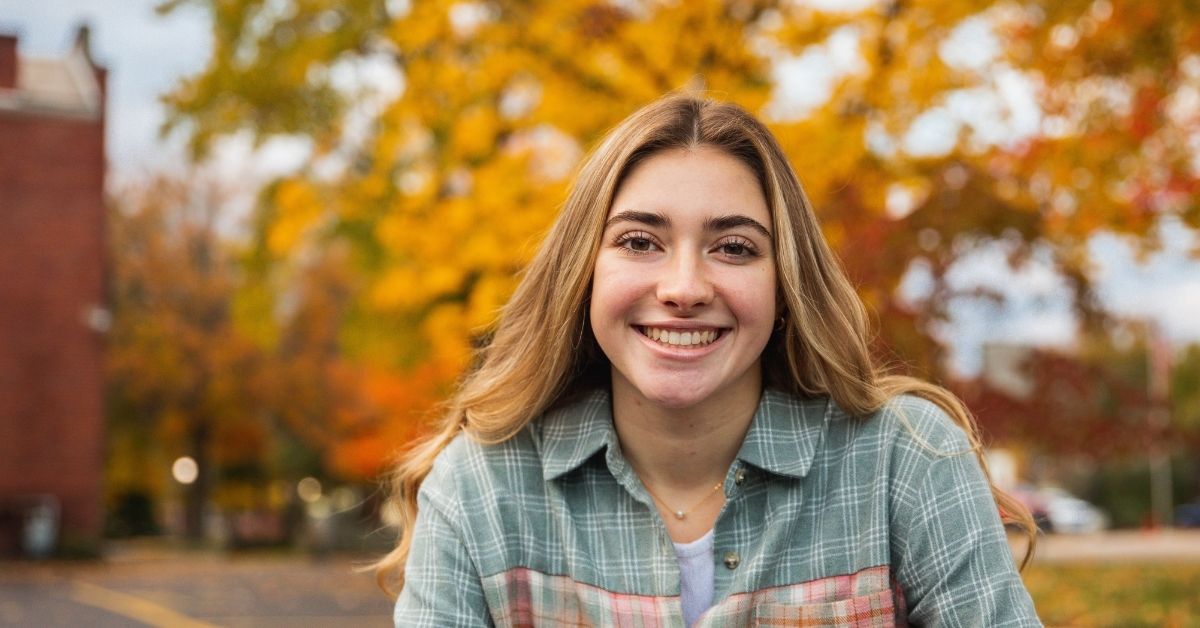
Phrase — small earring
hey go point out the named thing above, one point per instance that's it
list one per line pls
(780, 323)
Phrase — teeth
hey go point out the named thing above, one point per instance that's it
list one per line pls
(680, 339)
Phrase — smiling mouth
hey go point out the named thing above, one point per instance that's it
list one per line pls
(677, 338)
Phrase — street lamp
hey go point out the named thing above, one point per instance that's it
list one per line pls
(185, 470)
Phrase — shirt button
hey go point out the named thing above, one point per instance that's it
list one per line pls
(739, 476)
(732, 560)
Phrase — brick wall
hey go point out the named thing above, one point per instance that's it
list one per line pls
(52, 271)
(8, 61)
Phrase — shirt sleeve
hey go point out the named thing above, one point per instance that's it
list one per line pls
(441, 583)
(954, 563)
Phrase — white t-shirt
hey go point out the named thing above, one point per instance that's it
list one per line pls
(695, 576)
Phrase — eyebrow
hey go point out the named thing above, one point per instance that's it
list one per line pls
(650, 219)
(732, 221)
(715, 223)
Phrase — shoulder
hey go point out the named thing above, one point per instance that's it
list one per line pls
(900, 444)
(468, 470)
(549, 445)
(913, 423)
(949, 552)
(930, 457)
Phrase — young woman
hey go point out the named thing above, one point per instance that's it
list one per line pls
(678, 421)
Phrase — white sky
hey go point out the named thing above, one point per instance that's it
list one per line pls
(146, 54)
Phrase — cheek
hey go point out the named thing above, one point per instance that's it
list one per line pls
(752, 299)
(613, 292)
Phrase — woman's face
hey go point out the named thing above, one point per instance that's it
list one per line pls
(683, 296)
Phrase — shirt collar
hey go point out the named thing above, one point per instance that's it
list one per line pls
(785, 433)
(783, 436)
(575, 432)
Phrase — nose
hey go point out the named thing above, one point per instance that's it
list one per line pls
(684, 283)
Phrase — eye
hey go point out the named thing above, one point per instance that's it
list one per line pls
(636, 242)
(737, 248)
(639, 244)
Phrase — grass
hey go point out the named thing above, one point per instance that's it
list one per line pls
(1116, 594)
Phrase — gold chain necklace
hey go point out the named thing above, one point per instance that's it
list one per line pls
(682, 514)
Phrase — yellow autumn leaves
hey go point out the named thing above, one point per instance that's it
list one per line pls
(438, 196)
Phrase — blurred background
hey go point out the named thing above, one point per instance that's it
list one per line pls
(246, 246)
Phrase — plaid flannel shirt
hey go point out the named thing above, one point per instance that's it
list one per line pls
(829, 520)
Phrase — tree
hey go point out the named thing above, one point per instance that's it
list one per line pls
(1097, 403)
(193, 371)
(437, 191)
(182, 380)
(1075, 407)
(1100, 417)
(1185, 391)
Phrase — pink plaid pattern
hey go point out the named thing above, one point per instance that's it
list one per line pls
(867, 599)
(532, 598)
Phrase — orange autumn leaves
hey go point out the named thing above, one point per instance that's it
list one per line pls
(431, 197)
(200, 364)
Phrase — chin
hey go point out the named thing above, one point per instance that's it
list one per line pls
(675, 399)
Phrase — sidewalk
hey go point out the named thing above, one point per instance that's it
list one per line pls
(1166, 545)
(158, 584)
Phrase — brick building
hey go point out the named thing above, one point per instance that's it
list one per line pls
(52, 297)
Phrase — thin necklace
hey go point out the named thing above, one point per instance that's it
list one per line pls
(682, 514)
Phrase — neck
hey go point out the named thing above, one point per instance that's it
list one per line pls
(682, 450)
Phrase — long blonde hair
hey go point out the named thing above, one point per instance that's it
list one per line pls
(542, 352)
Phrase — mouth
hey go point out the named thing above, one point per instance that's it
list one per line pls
(682, 338)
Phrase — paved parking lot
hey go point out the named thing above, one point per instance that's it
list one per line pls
(192, 590)
(147, 585)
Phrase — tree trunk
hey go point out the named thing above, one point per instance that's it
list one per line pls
(196, 497)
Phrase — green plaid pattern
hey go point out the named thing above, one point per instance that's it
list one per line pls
(837, 521)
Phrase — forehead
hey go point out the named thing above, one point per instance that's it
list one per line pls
(702, 181)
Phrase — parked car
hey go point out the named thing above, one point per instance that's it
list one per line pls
(1188, 515)
(1056, 510)
(1070, 515)
(1028, 497)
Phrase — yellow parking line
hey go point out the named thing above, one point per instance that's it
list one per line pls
(132, 607)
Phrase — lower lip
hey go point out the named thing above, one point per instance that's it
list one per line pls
(676, 351)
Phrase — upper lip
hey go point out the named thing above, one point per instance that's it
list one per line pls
(684, 326)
